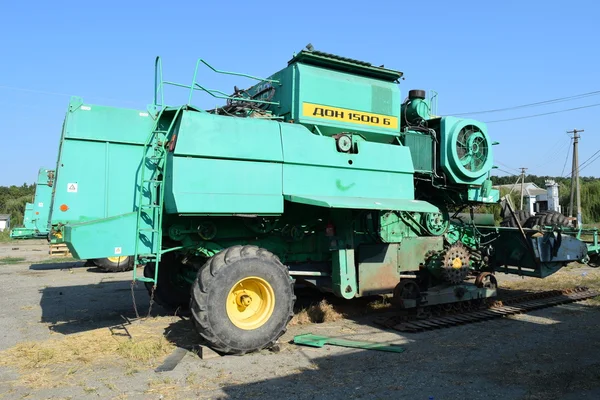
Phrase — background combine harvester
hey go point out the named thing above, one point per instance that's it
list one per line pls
(35, 217)
(320, 174)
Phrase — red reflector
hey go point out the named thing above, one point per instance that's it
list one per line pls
(330, 230)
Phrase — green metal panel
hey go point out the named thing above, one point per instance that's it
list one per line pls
(28, 216)
(42, 200)
(421, 150)
(313, 166)
(202, 134)
(337, 95)
(224, 165)
(413, 249)
(106, 124)
(360, 203)
(99, 159)
(339, 102)
(477, 195)
(213, 186)
(113, 236)
(378, 271)
(343, 274)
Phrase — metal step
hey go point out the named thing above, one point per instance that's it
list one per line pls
(144, 279)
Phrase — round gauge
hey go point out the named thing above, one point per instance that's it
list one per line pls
(344, 143)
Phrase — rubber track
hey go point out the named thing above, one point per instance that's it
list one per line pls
(498, 309)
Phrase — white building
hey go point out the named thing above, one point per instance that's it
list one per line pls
(536, 199)
(4, 222)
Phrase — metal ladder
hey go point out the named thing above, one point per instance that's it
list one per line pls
(153, 162)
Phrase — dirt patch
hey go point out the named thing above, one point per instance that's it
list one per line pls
(52, 362)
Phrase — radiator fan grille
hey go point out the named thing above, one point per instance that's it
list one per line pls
(472, 148)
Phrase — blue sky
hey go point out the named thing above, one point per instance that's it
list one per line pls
(477, 55)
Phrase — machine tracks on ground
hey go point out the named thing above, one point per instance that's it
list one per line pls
(520, 304)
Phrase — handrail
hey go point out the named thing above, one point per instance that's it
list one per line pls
(234, 73)
(226, 96)
(159, 84)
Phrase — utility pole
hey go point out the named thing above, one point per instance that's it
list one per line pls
(522, 184)
(575, 177)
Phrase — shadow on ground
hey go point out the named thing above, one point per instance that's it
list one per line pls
(58, 265)
(509, 359)
(79, 308)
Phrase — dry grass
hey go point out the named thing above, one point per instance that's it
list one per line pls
(55, 360)
(378, 305)
(567, 278)
(59, 260)
(165, 387)
(11, 260)
(316, 313)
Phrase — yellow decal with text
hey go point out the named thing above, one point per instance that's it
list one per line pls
(352, 116)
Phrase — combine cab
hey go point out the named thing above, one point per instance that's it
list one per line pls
(320, 174)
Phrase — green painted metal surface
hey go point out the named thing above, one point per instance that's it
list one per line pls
(412, 252)
(364, 203)
(308, 339)
(466, 153)
(28, 216)
(98, 164)
(336, 95)
(36, 214)
(27, 230)
(421, 150)
(42, 200)
(343, 274)
(108, 237)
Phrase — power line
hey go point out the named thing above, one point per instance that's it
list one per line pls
(591, 162)
(551, 151)
(566, 158)
(506, 172)
(539, 115)
(558, 100)
(583, 164)
(505, 165)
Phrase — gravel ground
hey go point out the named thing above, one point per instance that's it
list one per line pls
(547, 354)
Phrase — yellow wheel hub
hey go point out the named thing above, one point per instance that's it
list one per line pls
(456, 263)
(250, 303)
(118, 260)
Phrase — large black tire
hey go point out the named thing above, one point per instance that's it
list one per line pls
(172, 292)
(521, 215)
(212, 287)
(548, 218)
(116, 265)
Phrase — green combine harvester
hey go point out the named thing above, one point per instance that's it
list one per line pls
(35, 217)
(320, 175)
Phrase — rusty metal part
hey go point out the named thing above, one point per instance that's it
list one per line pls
(496, 309)
(407, 289)
(455, 263)
(486, 280)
